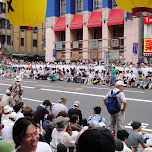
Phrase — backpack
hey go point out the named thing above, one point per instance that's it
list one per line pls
(113, 105)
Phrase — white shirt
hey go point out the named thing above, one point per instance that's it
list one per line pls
(59, 107)
(19, 115)
(61, 137)
(7, 130)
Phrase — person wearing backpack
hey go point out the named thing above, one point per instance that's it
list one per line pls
(116, 103)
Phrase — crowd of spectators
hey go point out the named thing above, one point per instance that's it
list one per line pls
(89, 76)
(55, 128)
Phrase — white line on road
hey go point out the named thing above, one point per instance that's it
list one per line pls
(143, 129)
(24, 81)
(110, 89)
(93, 95)
(23, 86)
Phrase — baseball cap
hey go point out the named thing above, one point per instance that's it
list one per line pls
(7, 109)
(98, 139)
(120, 83)
(76, 103)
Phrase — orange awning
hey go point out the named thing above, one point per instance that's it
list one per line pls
(116, 17)
(95, 20)
(60, 24)
(77, 22)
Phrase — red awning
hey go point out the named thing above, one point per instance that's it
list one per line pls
(77, 22)
(95, 20)
(116, 17)
(60, 24)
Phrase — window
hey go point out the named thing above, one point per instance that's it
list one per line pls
(2, 25)
(35, 43)
(79, 6)
(8, 39)
(97, 4)
(62, 38)
(22, 41)
(114, 3)
(118, 31)
(63, 7)
(97, 34)
(79, 35)
(35, 29)
(2, 7)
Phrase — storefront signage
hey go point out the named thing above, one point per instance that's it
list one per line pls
(114, 42)
(75, 44)
(94, 55)
(93, 44)
(58, 45)
(58, 55)
(148, 20)
(147, 50)
(54, 54)
(75, 55)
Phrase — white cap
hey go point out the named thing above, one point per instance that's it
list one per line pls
(76, 103)
(120, 83)
(7, 109)
(8, 92)
(18, 78)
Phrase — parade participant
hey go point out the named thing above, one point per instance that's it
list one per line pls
(117, 118)
(17, 90)
(6, 99)
(113, 76)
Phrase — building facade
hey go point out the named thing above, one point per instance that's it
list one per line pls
(20, 44)
(92, 30)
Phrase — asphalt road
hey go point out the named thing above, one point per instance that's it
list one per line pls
(139, 101)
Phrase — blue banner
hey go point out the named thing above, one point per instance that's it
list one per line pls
(135, 50)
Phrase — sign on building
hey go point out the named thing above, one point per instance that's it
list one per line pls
(94, 55)
(59, 46)
(114, 55)
(58, 55)
(54, 54)
(114, 42)
(93, 44)
(75, 55)
(75, 44)
(148, 20)
(135, 50)
(147, 50)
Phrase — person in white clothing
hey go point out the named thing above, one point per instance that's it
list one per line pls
(26, 137)
(18, 110)
(58, 107)
(59, 134)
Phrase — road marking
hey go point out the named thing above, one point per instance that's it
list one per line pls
(6, 81)
(78, 89)
(23, 86)
(93, 95)
(143, 129)
(24, 81)
(110, 89)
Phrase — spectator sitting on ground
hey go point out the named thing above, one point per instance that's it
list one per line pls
(123, 136)
(75, 110)
(28, 112)
(5, 146)
(47, 126)
(74, 123)
(135, 138)
(147, 80)
(60, 106)
(59, 134)
(96, 116)
(6, 99)
(18, 110)
(41, 111)
(98, 139)
(148, 143)
(7, 111)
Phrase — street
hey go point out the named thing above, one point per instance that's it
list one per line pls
(139, 102)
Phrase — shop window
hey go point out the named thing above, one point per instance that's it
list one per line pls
(63, 7)
(34, 43)
(62, 36)
(118, 31)
(79, 6)
(114, 3)
(35, 29)
(97, 33)
(97, 4)
(22, 41)
(79, 35)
